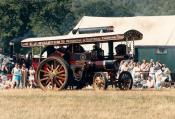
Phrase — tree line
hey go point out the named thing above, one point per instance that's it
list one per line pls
(20, 19)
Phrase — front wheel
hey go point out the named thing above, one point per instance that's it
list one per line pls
(125, 81)
(100, 81)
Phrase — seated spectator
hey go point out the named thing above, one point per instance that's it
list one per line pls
(8, 84)
(149, 82)
(5, 84)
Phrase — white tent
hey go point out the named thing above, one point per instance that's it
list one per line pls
(156, 30)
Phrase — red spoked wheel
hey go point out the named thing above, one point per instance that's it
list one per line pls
(52, 73)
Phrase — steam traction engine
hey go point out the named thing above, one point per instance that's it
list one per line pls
(74, 67)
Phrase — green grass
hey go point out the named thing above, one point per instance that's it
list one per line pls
(87, 104)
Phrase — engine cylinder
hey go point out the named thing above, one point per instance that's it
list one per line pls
(103, 65)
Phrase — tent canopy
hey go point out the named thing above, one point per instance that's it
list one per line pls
(157, 30)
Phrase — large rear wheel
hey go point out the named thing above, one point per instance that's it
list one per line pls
(52, 73)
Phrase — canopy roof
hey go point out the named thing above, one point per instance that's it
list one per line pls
(157, 30)
(81, 38)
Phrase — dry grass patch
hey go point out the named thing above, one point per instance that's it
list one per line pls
(36, 104)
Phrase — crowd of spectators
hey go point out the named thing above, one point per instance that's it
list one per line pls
(16, 75)
(147, 74)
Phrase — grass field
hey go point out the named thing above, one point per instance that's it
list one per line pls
(87, 104)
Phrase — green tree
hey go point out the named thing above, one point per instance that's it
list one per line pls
(10, 22)
(50, 19)
(20, 19)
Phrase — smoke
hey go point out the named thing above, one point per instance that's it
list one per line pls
(19, 39)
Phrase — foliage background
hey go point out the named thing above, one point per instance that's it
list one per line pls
(20, 19)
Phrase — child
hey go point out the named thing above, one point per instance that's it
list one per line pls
(31, 76)
(158, 81)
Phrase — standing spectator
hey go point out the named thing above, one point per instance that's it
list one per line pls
(31, 76)
(136, 75)
(1, 83)
(152, 61)
(124, 66)
(143, 65)
(158, 66)
(158, 81)
(131, 66)
(24, 76)
(144, 69)
(16, 72)
(166, 72)
(4, 70)
(152, 71)
(120, 66)
(136, 72)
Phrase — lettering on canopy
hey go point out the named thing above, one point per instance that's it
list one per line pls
(83, 40)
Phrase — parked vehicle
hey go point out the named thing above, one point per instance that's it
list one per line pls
(74, 67)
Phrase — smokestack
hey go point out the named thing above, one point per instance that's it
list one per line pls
(11, 49)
